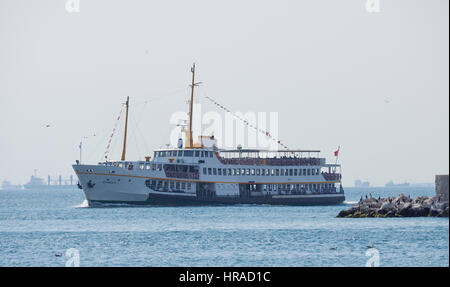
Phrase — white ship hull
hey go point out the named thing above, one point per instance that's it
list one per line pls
(113, 184)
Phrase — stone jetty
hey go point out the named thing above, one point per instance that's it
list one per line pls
(401, 206)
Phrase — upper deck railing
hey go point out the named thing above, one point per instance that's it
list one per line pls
(284, 161)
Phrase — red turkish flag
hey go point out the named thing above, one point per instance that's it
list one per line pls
(336, 152)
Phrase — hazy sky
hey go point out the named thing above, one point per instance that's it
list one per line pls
(374, 83)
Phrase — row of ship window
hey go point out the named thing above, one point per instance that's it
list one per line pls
(180, 153)
(261, 171)
(296, 187)
(164, 184)
(247, 171)
(171, 185)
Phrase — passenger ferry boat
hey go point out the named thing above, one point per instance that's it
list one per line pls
(203, 174)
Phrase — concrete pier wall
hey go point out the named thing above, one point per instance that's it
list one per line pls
(442, 186)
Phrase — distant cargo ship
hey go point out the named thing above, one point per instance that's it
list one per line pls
(392, 184)
(39, 183)
(6, 185)
(200, 173)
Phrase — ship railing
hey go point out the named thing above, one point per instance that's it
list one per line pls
(271, 161)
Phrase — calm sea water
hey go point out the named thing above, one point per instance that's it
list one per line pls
(38, 227)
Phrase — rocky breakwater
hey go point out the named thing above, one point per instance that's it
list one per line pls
(401, 206)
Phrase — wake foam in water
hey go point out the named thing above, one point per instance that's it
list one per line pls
(350, 202)
(83, 204)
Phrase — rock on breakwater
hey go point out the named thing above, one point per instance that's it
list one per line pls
(401, 206)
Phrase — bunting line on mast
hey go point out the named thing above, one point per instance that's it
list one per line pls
(266, 133)
(112, 134)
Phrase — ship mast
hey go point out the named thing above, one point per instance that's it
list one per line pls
(190, 141)
(126, 126)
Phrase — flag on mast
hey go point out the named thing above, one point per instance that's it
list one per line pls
(336, 153)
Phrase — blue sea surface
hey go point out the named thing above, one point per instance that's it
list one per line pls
(37, 227)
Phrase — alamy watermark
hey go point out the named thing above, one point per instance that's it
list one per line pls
(73, 257)
(374, 257)
(250, 129)
(373, 6)
(73, 6)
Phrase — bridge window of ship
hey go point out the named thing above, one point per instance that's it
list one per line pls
(219, 171)
(214, 171)
(209, 171)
